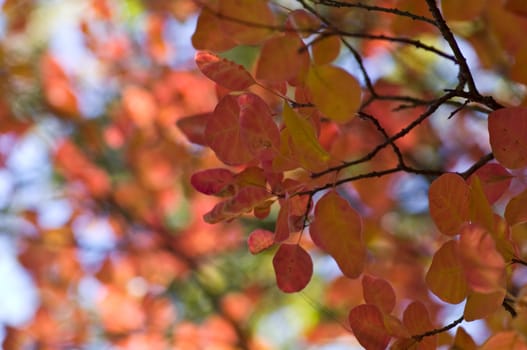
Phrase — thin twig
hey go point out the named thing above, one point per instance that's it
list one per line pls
(420, 337)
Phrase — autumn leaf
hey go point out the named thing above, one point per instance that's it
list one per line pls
(508, 136)
(367, 324)
(449, 203)
(260, 240)
(379, 292)
(335, 92)
(293, 268)
(337, 229)
(223, 72)
(213, 181)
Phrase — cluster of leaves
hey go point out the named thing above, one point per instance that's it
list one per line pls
(300, 131)
(308, 121)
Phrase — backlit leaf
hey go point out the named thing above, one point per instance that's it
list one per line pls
(304, 138)
(282, 58)
(446, 277)
(463, 340)
(449, 203)
(483, 265)
(303, 21)
(508, 136)
(213, 181)
(193, 127)
(293, 268)
(481, 305)
(335, 92)
(326, 49)
(516, 210)
(367, 324)
(238, 17)
(417, 320)
(337, 229)
(223, 133)
(379, 292)
(260, 240)
(506, 340)
(258, 129)
(455, 10)
(495, 180)
(480, 210)
(209, 35)
(223, 72)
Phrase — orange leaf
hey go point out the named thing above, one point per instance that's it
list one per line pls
(516, 210)
(209, 35)
(446, 277)
(508, 136)
(417, 321)
(335, 92)
(223, 72)
(246, 21)
(449, 203)
(223, 133)
(304, 22)
(483, 265)
(337, 229)
(260, 240)
(326, 49)
(282, 58)
(463, 340)
(510, 340)
(378, 292)
(480, 210)
(467, 10)
(367, 324)
(481, 305)
(293, 268)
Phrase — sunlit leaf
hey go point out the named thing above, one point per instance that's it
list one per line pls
(495, 180)
(449, 203)
(379, 292)
(194, 127)
(463, 340)
(455, 10)
(508, 136)
(516, 210)
(325, 49)
(246, 21)
(282, 58)
(335, 92)
(209, 35)
(337, 229)
(481, 305)
(417, 320)
(446, 277)
(483, 265)
(506, 340)
(367, 324)
(259, 132)
(223, 72)
(304, 138)
(480, 210)
(293, 268)
(213, 181)
(260, 240)
(223, 133)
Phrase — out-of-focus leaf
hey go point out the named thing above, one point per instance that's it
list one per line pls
(508, 136)
(379, 292)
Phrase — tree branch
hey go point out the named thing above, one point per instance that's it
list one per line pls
(436, 331)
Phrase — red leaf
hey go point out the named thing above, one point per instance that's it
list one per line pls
(508, 136)
(258, 129)
(516, 210)
(449, 203)
(223, 133)
(367, 324)
(194, 128)
(213, 181)
(495, 180)
(378, 292)
(293, 268)
(223, 72)
(260, 240)
(337, 229)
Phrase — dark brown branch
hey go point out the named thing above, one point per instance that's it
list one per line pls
(508, 305)
(484, 160)
(393, 11)
(464, 76)
(420, 337)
